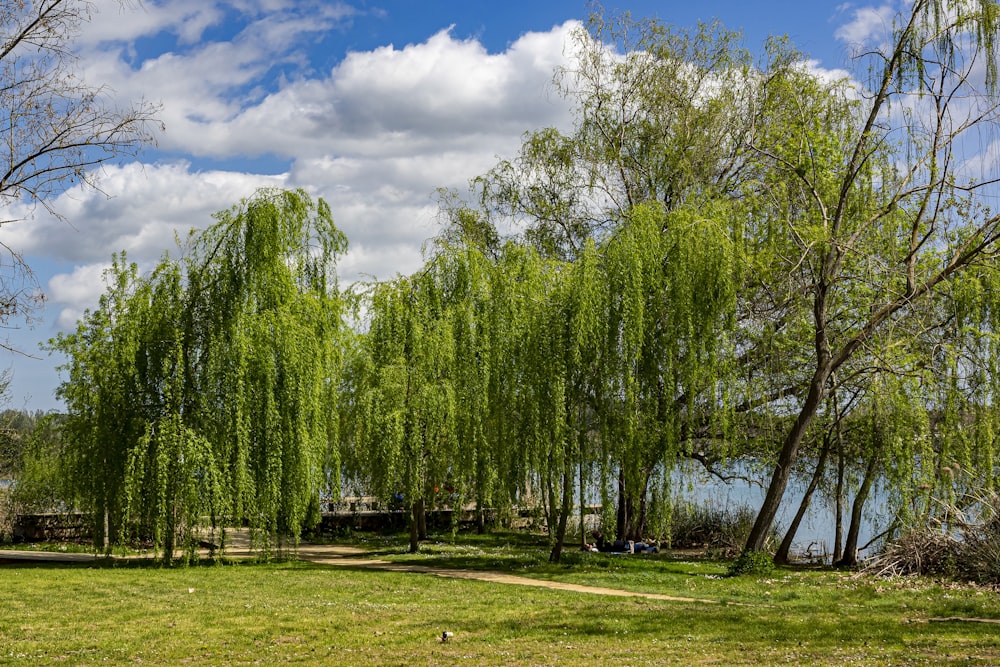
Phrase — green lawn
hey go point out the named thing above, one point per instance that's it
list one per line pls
(311, 614)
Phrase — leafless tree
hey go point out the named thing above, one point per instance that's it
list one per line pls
(56, 129)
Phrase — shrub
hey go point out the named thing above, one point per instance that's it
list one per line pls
(724, 529)
(752, 563)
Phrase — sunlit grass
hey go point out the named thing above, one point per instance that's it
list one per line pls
(311, 614)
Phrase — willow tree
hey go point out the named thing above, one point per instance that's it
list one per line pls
(893, 211)
(408, 407)
(657, 145)
(217, 376)
(558, 356)
(266, 321)
(483, 298)
(670, 280)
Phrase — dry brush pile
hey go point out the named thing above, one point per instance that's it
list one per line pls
(958, 547)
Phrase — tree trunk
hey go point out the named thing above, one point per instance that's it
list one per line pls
(414, 534)
(622, 515)
(850, 556)
(169, 538)
(781, 557)
(551, 502)
(637, 531)
(567, 503)
(421, 515)
(838, 537)
(786, 459)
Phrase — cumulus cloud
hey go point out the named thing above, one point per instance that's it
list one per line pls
(431, 96)
(867, 25)
(375, 136)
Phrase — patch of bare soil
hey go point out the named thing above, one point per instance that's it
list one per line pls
(344, 556)
(239, 546)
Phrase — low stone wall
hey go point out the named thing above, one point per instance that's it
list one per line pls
(54, 527)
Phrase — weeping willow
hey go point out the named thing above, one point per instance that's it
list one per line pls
(217, 375)
(669, 283)
(408, 405)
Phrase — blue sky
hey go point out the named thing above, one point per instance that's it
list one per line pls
(371, 104)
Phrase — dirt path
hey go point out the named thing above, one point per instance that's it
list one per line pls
(343, 556)
(347, 556)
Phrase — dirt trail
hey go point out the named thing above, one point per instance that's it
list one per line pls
(343, 556)
(347, 556)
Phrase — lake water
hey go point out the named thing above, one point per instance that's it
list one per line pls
(816, 532)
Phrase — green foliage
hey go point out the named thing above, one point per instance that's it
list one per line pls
(752, 563)
(41, 483)
(206, 391)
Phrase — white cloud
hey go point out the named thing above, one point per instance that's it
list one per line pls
(869, 24)
(430, 96)
(375, 136)
(80, 289)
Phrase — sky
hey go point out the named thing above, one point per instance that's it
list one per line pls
(370, 104)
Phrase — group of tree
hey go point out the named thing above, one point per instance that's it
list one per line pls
(727, 258)
(724, 259)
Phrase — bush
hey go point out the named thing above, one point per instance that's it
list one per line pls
(6, 517)
(752, 563)
(703, 525)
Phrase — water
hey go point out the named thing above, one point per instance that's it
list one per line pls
(816, 532)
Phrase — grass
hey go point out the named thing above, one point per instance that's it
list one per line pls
(308, 614)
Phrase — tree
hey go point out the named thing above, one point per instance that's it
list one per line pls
(853, 225)
(41, 483)
(15, 430)
(428, 387)
(205, 393)
(658, 143)
(891, 214)
(56, 128)
(408, 411)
